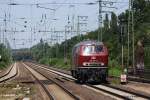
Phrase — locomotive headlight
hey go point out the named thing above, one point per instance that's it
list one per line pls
(102, 64)
(85, 64)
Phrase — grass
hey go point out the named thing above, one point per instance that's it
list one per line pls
(59, 63)
(3, 65)
(62, 65)
(114, 71)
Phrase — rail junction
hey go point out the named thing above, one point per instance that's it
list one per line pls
(56, 84)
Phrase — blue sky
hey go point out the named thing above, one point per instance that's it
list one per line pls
(35, 19)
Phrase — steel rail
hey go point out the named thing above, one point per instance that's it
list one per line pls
(109, 92)
(131, 92)
(8, 74)
(62, 87)
(43, 86)
(52, 71)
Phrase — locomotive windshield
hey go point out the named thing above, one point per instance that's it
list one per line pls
(89, 49)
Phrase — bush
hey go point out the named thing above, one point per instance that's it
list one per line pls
(44, 61)
(53, 61)
(114, 68)
(59, 63)
(115, 71)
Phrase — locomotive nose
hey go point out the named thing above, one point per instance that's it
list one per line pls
(93, 58)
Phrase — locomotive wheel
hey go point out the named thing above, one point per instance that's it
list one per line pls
(80, 81)
(82, 78)
(78, 77)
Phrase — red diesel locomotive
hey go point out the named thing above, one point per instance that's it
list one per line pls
(89, 61)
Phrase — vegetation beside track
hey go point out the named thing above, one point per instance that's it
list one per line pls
(57, 63)
(6, 57)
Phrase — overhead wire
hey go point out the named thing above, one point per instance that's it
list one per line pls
(58, 5)
(54, 3)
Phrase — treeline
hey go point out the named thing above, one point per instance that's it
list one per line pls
(21, 54)
(112, 37)
(6, 57)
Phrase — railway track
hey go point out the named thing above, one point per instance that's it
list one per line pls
(41, 84)
(68, 76)
(133, 79)
(130, 78)
(7, 72)
(119, 93)
(54, 90)
(13, 71)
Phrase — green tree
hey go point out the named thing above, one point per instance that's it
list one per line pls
(113, 23)
(141, 11)
(106, 22)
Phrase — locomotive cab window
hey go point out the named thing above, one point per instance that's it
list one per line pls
(90, 49)
(98, 48)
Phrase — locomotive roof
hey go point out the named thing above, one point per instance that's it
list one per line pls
(89, 42)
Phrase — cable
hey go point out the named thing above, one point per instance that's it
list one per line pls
(60, 5)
